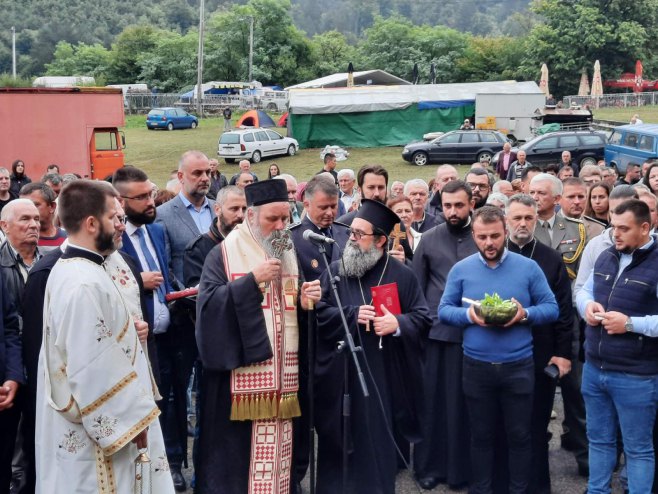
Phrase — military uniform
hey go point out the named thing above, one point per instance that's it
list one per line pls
(593, 227)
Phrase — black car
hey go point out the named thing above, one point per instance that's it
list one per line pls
(459, 146)
(586, 148)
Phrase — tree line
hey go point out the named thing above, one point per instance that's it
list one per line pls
(567, 35)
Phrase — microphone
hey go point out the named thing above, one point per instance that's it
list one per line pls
(317, 238)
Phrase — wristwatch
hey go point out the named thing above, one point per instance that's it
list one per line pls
(628, 325)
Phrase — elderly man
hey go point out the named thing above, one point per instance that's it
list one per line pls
(86, 436)
(441, 454)
(244, 179)
(505, 160)
(417, 190)
(348, 194)
(217, 179)
(5, 193)
(517, 167)
(245, 167)
(397, 188)
(498, 374)
(390, 342)
(609, 176)
(20, 222)
(296, 207)
(566, 161)
(247, 326)
(503, 187)
(43, 197)
(444, 174)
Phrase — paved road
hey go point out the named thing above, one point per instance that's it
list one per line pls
(564, 472)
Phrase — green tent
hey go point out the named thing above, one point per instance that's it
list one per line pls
(372, 116)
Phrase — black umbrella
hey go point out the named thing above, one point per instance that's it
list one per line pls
(432, 74)
(415, 74)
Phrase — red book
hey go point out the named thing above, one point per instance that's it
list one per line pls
(386, 295)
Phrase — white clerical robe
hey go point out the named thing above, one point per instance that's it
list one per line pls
(95, 391)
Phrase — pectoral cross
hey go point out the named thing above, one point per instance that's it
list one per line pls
(397, 235)
(281, 243)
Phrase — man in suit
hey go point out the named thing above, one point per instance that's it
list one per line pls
(321, 203)
(296, 207)
(505, 160)
(145, 243)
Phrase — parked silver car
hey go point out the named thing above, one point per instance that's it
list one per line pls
(254, 144)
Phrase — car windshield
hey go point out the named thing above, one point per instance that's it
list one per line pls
(229, 139)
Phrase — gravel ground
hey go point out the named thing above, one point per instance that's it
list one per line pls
(564, 472)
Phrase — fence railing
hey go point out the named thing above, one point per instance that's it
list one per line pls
(138, 103)
(618, 100)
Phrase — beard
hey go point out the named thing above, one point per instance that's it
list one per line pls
(146, 217)
(456, 225)
(277, 244)
(224, 226)
(105, 241)
(356, 262)
(480, 201)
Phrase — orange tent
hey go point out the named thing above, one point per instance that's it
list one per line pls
(256, 118)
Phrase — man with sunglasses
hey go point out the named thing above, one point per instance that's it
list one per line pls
(390, 358)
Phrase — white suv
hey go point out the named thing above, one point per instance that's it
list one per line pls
(254, 144)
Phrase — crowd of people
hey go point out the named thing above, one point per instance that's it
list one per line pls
(343, 310)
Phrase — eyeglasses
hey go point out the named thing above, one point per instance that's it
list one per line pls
(358, 234)
(478, 186)
(142, 197)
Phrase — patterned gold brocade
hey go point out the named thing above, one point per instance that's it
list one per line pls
(108, 394)
(132, 432)
(104, 472)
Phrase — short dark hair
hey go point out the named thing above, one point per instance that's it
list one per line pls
(489, 214)
(624, 191)
(552, 167)
(457, 185)
(524, 199)
(321, 183)
(47, 193)
(327, 157)
(529, 169)
(375, 170)
(638, 208)
(53, 178)
(81, 199)
(129, 174)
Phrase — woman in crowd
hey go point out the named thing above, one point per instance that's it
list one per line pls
(18, 177)
(401, 205)
(273, 171)
(597, 203)
(651, 178)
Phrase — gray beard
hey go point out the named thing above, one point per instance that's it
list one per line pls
(357, 263)
(269, 243)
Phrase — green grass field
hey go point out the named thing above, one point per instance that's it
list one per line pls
(157, 151)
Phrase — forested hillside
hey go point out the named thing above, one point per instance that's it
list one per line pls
(127, 41)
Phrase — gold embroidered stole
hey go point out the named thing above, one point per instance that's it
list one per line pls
(266, 389)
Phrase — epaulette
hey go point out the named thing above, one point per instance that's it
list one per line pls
(296, 225)
(594, 220)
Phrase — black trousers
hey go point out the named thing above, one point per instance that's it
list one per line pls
(8, 427)
(492, 390)
(177, 352)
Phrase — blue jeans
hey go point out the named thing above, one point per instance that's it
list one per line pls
(494, 390)
(629, 400)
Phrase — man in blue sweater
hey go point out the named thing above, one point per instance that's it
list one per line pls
(498, 373)
(619, 302)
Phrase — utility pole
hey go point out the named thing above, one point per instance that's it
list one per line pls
(199, 76)
(13, 51)
(251, 48)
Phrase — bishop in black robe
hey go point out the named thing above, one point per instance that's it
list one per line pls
(392, 373)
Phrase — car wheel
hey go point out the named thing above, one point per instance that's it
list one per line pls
(170, 126)
(587, 161)
(229, 160)
(484, 155)
(194, 125)
(255, 158)
(291, 150)
(420, 159)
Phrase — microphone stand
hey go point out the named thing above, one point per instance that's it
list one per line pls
(347, 343)
(311, 393)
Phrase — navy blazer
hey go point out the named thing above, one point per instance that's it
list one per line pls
(157, 236)
(308, 256)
